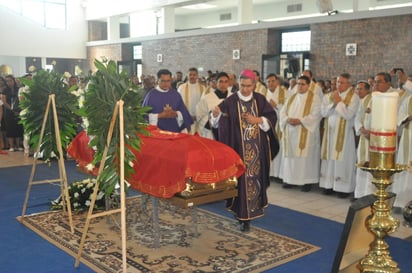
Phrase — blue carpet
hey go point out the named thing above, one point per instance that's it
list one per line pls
(25, 252)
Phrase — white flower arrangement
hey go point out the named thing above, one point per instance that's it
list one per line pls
(79, 93)
(66, 75)
(80, 193)
(90, 167)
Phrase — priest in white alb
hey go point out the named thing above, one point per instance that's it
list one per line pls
(338, 151)
(191, 92)
(276, 95)
(402, 185)
(362, 128)
(299, 124)
(208, 102)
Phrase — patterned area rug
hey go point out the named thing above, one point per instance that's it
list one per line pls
(219, 246)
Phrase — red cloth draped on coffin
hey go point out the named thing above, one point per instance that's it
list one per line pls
(167, 159)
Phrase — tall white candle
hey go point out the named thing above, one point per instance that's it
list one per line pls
(384, 111)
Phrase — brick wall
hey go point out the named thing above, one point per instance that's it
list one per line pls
(210, 52)
(381, 43)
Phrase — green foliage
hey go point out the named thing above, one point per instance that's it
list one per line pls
(105, 89)
(34, 103)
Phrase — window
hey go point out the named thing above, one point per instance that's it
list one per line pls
(48, 13)
(296, 41)
(137, 52)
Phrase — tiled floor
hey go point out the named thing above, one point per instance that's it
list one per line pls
(326, 206)
(12, 159)
(313, 202)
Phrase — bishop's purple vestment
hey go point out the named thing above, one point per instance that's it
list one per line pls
(256, 147)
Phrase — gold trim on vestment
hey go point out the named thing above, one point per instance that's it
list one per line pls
(281, 100)
(325, 140)
(207, 91)
(187, 91)
(282, 95)
(278, 131)
(312, 87)
(342, 126)
(363, 141)
(340, 138)
(251, 158)
(260, 88)
(303, 136)
(187, 102)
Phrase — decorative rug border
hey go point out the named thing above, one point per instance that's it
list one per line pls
(230, 228)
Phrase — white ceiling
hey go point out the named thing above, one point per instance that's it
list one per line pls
(101, 9)
(98, 9)
(225, 4)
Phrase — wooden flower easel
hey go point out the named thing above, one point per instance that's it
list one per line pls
(118, 110)
(62, 170)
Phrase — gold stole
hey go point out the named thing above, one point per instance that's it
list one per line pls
(282, 95)
(312, 86)
(187, 91)
(341, 132)
(281, 100)
(260, 88)
(303, 136)
(363, 141)
(207, 91)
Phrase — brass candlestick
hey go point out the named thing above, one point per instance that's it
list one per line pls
(381, 223)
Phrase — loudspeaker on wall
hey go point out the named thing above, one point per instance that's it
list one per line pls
(325, 5)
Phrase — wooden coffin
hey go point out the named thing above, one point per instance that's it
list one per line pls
(197, 194)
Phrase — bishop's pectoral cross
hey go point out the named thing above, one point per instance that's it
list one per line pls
(167, 107)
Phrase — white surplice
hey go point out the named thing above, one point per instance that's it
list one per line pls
(339, 174)
(363, 178)
(206, 104)
(191, 94)
(402, 182)
(299, 167)
(275, 164)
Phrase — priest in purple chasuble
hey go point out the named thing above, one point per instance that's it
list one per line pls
(246, 122)
(168, 109)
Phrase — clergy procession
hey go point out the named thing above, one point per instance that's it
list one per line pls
(295, 131)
